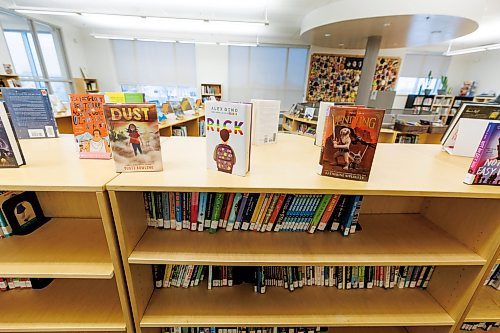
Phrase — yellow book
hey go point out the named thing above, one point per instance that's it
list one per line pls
(166, 277)
(256, 211)
(115, 97)
(263, 211)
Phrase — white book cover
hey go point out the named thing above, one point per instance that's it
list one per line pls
(265, 121)
(229, 127)
(466, 136)
(323, 107)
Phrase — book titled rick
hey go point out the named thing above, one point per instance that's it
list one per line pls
(228, 136)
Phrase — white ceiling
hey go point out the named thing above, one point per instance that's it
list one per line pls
(284, 16)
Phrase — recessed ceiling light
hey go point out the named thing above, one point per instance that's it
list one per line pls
(387, 25)
(327, 35)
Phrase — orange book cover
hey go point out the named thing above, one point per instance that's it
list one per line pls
(349, 141)
(89, 125)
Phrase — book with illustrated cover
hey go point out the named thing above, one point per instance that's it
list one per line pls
(134, 136)
(11, 155)
(186, 104)
(31, 112)
(228, 132)
(485, 167)
(350, 137)
(89, 125)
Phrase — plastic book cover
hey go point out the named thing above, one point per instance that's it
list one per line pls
(89, 125)
(11, 155)
(485, 166)
(350, 137)
(31, 112)
(134, 136)
(228, 132)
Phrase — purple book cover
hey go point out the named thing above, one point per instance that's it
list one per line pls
(485, 167)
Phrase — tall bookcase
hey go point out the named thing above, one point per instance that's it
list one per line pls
(416, 211)
(85, 85)
(211, 89)
(77, 247)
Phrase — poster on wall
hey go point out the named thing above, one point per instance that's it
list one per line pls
(335, 78)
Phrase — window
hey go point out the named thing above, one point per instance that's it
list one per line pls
(416, 67)
(267, 73)
(416, 85)
(162, 71)
(37, 54)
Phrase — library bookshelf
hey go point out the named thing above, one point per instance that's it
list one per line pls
(85, 85)
(64, 123)
(292, 123)
(211, 89)
(416, 211)
(192, 123)
(391, 136)
(77, 247)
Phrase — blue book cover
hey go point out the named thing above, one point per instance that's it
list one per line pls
(11, 155)
(234, 208)
(31, 112)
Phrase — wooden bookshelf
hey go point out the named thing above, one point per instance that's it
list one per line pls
(211, 89)
(390, 136)
(483, 99)
(85, 85)
(191, 121)
(64, 123)
(77, 246)
(486, 306)
(6, 80)
(416, 211)
(291, 123)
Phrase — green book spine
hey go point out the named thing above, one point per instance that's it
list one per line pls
(319, 212)
(219, 199)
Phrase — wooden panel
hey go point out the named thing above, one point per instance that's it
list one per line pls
(239, 305)
(373, 204)
(486, 306)
(62, 248)
(54, 165)
(65, 305)
(69, 204)
(395, 239)
(402, 170)
(436, 329)
(64, 124)
(474, 222)
(367, 330)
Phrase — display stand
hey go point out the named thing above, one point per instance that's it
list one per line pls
(416, 211)
(77, 247)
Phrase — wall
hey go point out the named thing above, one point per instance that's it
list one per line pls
(212, 66)
(101, 65)
(75, 51)
(4, 51)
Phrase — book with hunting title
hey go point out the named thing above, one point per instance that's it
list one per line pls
(228, 131)
(89, 125)
(134, 136)
(350, 137)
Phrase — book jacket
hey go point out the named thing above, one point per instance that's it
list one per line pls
(485, 166)
(228, 131)
(89, 125)
(11, 155)
(134, 137)
(350, 137)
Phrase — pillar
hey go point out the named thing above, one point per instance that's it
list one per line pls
(368, 69)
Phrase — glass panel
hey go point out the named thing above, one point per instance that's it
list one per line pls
(61, 90)
(162, 93)
(30, 45)
(33, 84)
(51, 50)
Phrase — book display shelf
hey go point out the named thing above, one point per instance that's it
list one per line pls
(416, 211)
(442, 105)
(292, 123)
(77, 247)
(192, 123)
(392, 136)
(211, 89)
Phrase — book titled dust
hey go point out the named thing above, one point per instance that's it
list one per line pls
(134, 137)
(350, 138)
(228, 130)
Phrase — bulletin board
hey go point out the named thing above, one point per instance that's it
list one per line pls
(335, 78)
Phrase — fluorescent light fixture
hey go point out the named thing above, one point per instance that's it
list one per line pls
(239, 44)
(186, 41)
(156, 40)
(205, 43)
(44, 12)
(113, 37)
(473, 49)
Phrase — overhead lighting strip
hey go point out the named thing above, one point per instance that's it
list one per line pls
(473, 50)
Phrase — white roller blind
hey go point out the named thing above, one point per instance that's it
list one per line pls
(419, 65)
(277, 73)
(154, 63)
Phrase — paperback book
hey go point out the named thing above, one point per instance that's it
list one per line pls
(485, 167)
(228, 132)
(134, 136)
(89, 125)
(265, 121)
(350, 137)
(11, 155)
(31, 112)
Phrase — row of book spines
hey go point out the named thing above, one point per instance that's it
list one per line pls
(242, 329)
(344, 277)
(493, 278)
(13, 283)
(184, 276)
(252, 211)
(210, 89)
(485, 326)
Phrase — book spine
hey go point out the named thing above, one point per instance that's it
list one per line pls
(263, 210)
(209, 208)
(194, 210)
(276, 211)
(166, 210)
(145, 195)
(357, 209)
(159, 209)
(241, 210)
(229, 206)
(249, 208)
(339, 212)
(319, 212)
(223, 210)
(219, 198)
(269, 212)
(172, 206)
(186, 209)
(201, 210)
(328, 212)
(346, 224)
(428, 278)
(255, 215)
(283, 211)
(289, 213)
(474, 166)
(178, 211)
(232, 215)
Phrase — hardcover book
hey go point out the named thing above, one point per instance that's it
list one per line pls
(89, 125)
(228, 127)
(350, 137)
(134, 136)
(265, 121)
(11, 155)
(31, 112)
(485, 167)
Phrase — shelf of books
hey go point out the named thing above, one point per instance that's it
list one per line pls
(299, 125)
(67, 273)
(190, 125)
(211, 89)
(411, 261)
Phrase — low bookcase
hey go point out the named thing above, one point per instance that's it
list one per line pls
(77, 247)
(416, 211)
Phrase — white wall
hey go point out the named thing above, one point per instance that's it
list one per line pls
(73, 42)
(212, 66)
(100, 63)
(483, 67)
(4, 51)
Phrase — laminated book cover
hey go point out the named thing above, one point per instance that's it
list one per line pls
(350, 137)
(11, 155)
(31, 112)
(89, 125)
(485, 166)
(134, 136)
(228, 132)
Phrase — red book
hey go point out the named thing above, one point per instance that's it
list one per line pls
(328, 212)
(194, 210)
(171, 205)
(228, 207)
(275, 212)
